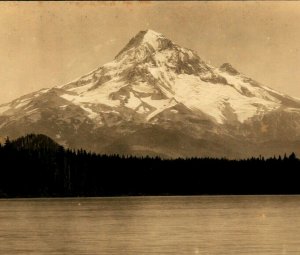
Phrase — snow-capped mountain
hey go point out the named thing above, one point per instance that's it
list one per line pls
(158, 98)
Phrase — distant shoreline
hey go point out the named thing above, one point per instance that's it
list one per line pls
(145, 196)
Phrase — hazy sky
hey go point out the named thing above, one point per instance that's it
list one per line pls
(43, 44)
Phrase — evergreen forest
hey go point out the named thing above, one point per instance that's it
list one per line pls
(36, 166)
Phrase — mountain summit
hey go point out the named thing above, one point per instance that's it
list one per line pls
(149, 41)
(158, 98)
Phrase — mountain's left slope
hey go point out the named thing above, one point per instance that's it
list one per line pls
(158, 98)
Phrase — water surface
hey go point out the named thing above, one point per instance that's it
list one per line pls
(151, 225)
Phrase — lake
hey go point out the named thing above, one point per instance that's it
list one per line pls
(151, 225)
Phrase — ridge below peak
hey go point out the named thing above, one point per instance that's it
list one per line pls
(227, 67)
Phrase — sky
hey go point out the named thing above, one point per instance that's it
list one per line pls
(44, 44)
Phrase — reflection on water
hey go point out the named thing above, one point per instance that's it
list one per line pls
(151, 225)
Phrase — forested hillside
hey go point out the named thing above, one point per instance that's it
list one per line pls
(36, 166)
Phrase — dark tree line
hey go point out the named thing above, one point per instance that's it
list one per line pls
(35, 166)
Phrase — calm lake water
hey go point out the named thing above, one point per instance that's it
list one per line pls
(151, 225)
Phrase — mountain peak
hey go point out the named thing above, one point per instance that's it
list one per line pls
(149, 35)
(147, 39)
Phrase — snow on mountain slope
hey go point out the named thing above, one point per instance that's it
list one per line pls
(4, 108)
(153, 82)
(151, 70)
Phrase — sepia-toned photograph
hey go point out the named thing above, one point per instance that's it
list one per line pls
(150, 127)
